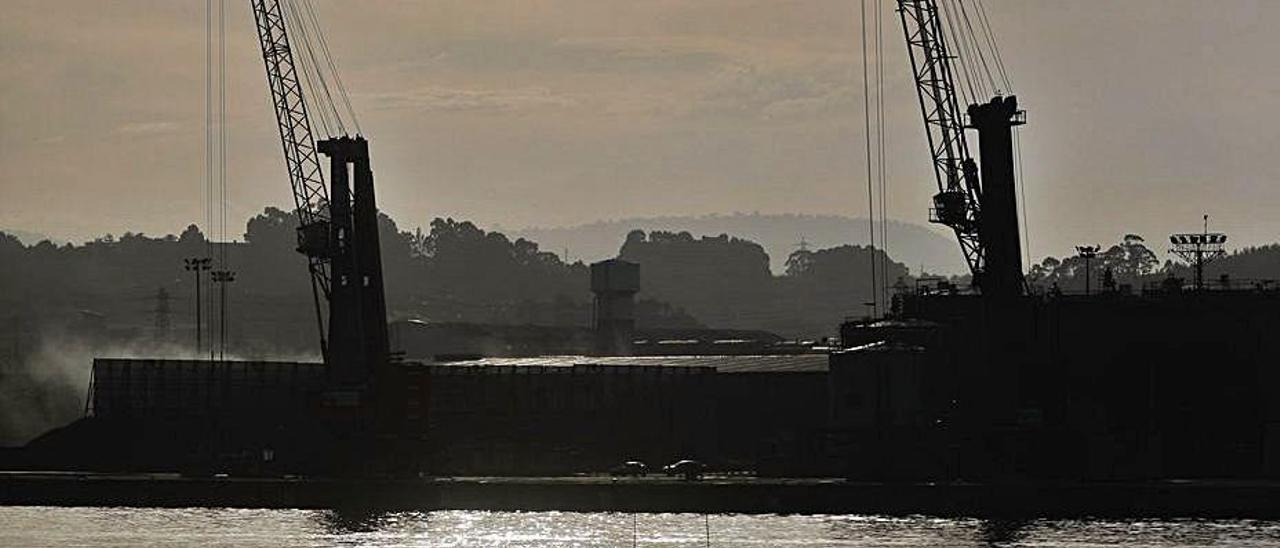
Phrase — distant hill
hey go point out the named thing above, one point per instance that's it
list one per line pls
(909, 243)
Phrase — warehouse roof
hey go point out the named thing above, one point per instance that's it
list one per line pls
(784, 363)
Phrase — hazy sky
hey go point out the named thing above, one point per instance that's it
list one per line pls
(1143, 114)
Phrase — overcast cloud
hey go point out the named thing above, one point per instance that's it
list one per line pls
(1143, 114)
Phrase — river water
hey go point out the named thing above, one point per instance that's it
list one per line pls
(207, 528)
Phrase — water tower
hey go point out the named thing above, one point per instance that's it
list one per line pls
(615, 283)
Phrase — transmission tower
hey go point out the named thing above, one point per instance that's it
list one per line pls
(162, 315)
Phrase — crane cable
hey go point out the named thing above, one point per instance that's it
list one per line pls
(223, 257)
(1022, 196)
(959, 51)
(880, 155)
(871, 208)
(977, 54)
(333, 66)
(995, 48)
(308, 65)
(215, 175)
(966, 53)
(320, 70)
(215, 196)
(209, 173)
(977, 48)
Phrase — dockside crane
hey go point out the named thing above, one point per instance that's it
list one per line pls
(981, 210)
(337, 224)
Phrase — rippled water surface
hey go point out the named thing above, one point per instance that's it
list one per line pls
(35, 527)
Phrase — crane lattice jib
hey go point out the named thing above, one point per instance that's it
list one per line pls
(310, 195)
(953, 167)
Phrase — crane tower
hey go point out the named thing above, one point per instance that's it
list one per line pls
(338, 223)
(975, 199)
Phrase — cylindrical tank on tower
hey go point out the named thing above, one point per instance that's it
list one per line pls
(615, 283)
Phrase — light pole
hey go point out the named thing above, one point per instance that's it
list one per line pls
(1199, 249)
(1087, 252)
(222, 278)
(196, 265)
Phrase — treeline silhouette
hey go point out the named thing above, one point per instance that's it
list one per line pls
(1131, 262)
(725, 281)
(134, 286)
(912, 244)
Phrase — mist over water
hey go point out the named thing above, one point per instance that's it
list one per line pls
(102, 527)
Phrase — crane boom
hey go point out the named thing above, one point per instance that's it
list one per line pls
(957, 202)
(310, 195)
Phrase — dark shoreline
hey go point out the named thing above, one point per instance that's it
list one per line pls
(1171, 499)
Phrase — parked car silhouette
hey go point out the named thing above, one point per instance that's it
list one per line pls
(690, 469)
(630, 468)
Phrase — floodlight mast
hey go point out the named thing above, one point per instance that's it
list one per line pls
(1199, 249)
(1088, 253)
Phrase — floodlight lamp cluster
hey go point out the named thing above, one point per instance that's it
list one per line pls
(1215, 238)
(1088, 251)
(197, 263)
